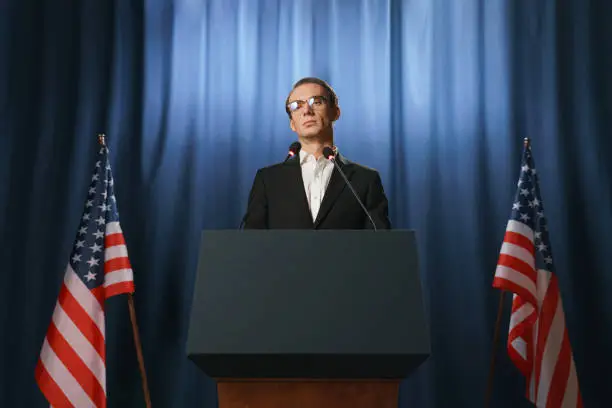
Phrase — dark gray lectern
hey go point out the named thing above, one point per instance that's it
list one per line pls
(308, 318)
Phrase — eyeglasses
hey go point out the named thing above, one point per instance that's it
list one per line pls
(315, 102)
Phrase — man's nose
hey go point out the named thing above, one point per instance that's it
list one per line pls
(307, 109)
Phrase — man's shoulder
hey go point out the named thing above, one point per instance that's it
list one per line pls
(274, 167)
(273, 171)
(361, 169)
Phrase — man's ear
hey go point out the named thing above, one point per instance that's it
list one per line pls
(291, 124)
(337, 114)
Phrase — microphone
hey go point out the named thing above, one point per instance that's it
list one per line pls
(331, 156)
(294, 149)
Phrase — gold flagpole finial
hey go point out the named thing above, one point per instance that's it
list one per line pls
(102, 139)
(527, 142)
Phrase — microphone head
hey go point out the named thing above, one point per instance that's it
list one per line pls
(295, 148)
(328, 152)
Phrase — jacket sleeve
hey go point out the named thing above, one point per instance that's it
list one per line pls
(377, 204)
(256, 216)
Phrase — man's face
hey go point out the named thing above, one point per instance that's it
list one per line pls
(311, 119)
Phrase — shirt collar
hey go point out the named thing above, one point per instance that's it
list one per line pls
(305, 155)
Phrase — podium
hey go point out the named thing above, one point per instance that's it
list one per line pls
(308, 318)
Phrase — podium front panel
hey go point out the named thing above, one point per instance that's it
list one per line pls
(308, 303)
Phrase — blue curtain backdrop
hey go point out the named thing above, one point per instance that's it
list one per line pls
(436, 94)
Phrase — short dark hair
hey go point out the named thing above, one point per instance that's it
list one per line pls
(331, 94)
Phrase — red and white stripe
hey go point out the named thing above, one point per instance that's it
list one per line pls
(71, 370)
(118, 275)
(538, 343)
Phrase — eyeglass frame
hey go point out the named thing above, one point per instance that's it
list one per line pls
(323, 98)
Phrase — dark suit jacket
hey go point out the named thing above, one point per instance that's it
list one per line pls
(278, 200)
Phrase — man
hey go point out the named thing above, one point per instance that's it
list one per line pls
(307, 192)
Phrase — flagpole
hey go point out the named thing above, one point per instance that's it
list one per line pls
(132, 308)
(143, 374)
(493, 349)
(500, 307)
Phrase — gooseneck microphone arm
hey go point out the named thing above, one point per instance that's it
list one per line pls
(329, 154)
(243, 221)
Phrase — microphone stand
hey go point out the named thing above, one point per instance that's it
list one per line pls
(333, 160)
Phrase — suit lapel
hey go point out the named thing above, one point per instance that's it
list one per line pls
(295, 185)
(334, 188)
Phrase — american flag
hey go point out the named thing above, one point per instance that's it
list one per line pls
(71, 369)
(538, 343)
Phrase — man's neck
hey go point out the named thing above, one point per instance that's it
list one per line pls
(315, 147)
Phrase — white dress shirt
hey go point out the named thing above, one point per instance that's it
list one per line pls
(316, 175)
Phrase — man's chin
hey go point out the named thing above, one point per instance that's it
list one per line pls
(311, 134)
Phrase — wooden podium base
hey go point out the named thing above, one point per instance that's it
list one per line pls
(307, 393)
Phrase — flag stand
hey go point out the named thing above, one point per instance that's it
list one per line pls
(500, 308)
(132, 308)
